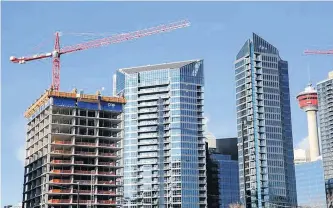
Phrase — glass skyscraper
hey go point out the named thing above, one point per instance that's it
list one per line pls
(310, 184)
(264, 122)
(164, 149)
(325, 99)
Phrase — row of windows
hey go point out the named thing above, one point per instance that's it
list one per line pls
(273, 136)
(270, 71)
(272, 116)
(270, 65)
(271, 84)
(184, 113)
(271, 103)
(269, 58)
(185, 93)
(272, 110)
(271, 90)
(275, 149)
(272, 97)
(271, 78)
(273, 129)
(185, 86)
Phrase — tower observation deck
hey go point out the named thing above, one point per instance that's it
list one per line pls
(308, 101)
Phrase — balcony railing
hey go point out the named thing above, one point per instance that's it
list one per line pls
(59, 201)
(85, 153)
(60, 191)
(61, 161)
(60, 181)
(62, 142)
(107, 182)
(83, 171)
(61, 171)
(108, 154)
(106, 202)
(85, 143)
(82, 181)
(61, 152)
(106, 163)
(107, 145)
(106, 173)
(107, 192)
(82, 201)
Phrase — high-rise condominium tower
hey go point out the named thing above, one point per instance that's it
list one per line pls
(325, 98)
(164, 149)
(264, 122)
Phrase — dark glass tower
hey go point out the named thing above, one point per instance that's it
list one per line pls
(264, 122)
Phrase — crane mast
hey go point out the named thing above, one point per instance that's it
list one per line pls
(58, 51)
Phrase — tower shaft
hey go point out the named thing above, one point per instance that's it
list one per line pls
(313, 134)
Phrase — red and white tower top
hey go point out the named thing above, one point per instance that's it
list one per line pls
(308, 99)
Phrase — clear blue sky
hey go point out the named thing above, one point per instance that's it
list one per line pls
(217, 32)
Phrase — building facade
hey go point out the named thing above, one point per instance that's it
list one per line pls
(264, 122)
(73, 151)
(223, 173)
(164, 148)
(310, 184)
(325, 98)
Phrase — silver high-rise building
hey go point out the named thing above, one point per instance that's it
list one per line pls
(164, 149)
(264, 122)
(325, 98)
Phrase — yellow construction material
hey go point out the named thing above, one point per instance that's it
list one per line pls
(49, 93)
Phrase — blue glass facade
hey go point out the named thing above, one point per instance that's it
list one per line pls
(263, 103)
(310, 184)
(325, 111)
(164, 149)
(228, 180)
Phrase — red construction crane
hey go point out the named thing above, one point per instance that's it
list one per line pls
(57, 52)
(311, 52)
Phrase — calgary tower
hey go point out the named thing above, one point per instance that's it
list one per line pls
(308, 101)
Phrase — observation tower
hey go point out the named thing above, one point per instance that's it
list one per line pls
(308, 101)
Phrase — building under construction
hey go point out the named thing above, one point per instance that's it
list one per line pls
(73, 151)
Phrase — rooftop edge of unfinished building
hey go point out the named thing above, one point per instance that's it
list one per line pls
(74, 95)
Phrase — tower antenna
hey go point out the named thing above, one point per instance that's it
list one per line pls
(309, 74)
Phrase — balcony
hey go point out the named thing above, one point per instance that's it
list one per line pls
(60, 191)
(57, 171)
(107, 182)
(85, 143)
(107, 192)
(83, 201)
(107, 154)
(60, 181)
(63, 152)
(61, 161)
(63, 142)
(85, 153)
(59, 201)
(107, 145)
(88, 172)
(111, 173)
(107, 163)
(83, 182)
(149, 135)
(106, 202)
